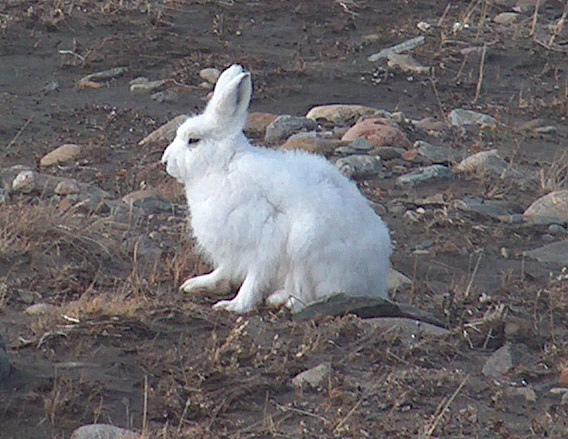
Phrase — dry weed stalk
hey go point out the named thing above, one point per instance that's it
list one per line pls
(441, 410)
(483, 17)
(473, 274)
(534, 18)
(481, 74)
(3, 293)
(446, 10)
(555, 176)
(559, 26)
(470, 10)
(17, 136)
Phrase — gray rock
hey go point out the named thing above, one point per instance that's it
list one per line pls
(555, 254)
(556, 229)
(484, 162)
(360, 144)
(206, 85)
(548, 129)
(67, 187)
(406, 63)
(105, 74)
(438, 154)
(407, 328)
(488, 208)
(165, 96)
(165, 133)
(149, 200)
(142, 246)
(507, 18)
(502, 361)
(103, 431)
(425, 174)
(388, 152)
(460, 117)
(39, 309)
(24, 182)
(284, 126)
(515, 218)
(359, 166)
(210, 74)
(397, 280)
(51, 86)
(527, 393)
(313, 377)
(365, 307)
(5, 366)
(146, 87)
(124, 213)
(405, 46)
(93, 199)
(549, 209)
(340, 114)
(62, 154)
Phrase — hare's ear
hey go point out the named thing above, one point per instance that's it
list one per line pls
(229, 103)
(225, 77)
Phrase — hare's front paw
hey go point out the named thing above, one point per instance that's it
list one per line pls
(232, 306)
(208, 282)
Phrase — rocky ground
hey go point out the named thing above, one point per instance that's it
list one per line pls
(453, 125)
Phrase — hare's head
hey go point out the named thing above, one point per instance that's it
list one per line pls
(224, 117)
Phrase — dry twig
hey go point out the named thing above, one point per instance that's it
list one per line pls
(559, 26)
(441, 409)
(17, 136)
(481, 74)
(534, 18)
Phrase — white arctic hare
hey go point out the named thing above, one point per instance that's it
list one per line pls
(286, 226)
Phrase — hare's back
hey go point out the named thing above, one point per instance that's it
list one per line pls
(305, 186)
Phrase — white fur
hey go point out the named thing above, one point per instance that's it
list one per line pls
(283, 226)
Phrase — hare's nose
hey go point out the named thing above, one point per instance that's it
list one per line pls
(165, 155)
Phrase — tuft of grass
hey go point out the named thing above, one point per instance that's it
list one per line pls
(54, 252)
(555, 176)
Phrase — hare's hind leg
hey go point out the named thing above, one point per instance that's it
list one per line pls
(215, 281)
(246, 299)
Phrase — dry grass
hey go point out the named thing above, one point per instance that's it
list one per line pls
(555, 176)
(58, 252)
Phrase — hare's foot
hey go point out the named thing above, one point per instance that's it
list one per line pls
(246, 299)
(232, 306)
(214, 281)
(277, 299)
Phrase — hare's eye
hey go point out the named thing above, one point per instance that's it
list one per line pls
(192, 141)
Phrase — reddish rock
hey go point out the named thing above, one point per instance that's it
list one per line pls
(312, 144)
(379, 131)
(257, 122)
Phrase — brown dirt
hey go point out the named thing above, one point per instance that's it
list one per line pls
(121, 334)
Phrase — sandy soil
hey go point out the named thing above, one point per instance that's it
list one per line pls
(122, 346)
